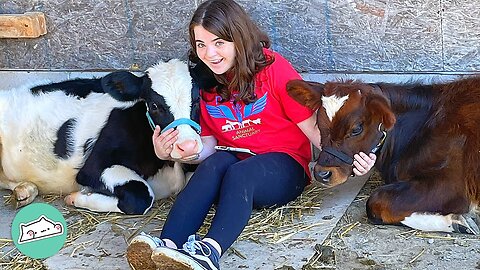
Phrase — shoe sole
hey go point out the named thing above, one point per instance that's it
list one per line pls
(168, 259)
(139, 256)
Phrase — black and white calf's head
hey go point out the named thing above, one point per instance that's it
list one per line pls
(166, 89)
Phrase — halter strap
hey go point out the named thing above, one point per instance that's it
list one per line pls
(338, 154)
(183, 121)
(349, 160)
(175, 123)
(379, 145)
(150, 121)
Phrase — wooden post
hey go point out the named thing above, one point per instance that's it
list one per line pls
(27, 25)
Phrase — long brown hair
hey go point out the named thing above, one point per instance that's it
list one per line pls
(229, 21)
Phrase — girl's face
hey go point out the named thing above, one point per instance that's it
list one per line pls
(218, 54)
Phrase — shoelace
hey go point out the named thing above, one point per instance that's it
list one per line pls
(157, 240)
(193, 244)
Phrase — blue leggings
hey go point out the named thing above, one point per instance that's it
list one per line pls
(236, 187)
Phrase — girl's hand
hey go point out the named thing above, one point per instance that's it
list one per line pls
(363, 163)
(163, 143)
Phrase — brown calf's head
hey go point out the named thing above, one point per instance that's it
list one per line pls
(350, 116)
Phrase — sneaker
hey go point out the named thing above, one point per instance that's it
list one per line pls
(195, 255)
(140, 250)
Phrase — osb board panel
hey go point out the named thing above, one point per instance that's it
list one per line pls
(101, 34)
(297, 30)
(461, 20)
(396, 35)
(316, 36)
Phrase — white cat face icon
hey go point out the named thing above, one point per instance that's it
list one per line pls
(39, 229)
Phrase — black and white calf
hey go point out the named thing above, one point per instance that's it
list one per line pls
(91, 138)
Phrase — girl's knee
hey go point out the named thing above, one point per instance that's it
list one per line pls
(218, 159)
(239, 172)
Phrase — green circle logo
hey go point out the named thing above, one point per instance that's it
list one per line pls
(39, 230)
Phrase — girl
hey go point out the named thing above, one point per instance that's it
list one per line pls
(250, 109)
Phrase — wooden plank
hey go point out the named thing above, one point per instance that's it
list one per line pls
(27, 25)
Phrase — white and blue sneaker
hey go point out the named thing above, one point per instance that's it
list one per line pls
(195, 255)
(140, 251)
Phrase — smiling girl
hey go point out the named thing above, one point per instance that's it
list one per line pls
(251, 110)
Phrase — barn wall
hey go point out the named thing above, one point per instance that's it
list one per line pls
(317, 36)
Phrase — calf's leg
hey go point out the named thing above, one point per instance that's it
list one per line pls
(119, 189)
(24, 192)
(93, 202)
(168, 181)
(424, 206)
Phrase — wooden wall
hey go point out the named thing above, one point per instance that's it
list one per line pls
(317, 36)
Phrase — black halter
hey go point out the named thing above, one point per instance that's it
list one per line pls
(349, 160)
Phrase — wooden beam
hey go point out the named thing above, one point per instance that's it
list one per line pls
(27, 25)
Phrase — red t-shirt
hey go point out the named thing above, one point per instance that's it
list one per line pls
(267, 125)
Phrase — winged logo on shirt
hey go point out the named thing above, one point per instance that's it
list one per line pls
(236, 115)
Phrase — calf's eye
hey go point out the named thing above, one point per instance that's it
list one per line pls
(357, 130)
(158, 108)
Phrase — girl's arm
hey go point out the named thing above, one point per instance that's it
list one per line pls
(209, 143)
(310, 129)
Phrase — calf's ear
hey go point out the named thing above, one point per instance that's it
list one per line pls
(122, 85)
(307, 93)
(203, 76)
(378, 107)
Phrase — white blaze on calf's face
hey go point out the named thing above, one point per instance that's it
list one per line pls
(172, 81)
(332, 104)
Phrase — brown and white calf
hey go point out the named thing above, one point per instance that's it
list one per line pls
(427, 138)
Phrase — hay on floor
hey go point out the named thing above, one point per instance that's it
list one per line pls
(273, 225)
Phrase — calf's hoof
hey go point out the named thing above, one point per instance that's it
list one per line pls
(468, 223)
(70, 198)
(24, 194)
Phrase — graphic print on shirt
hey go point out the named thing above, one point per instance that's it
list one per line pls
(235, 119)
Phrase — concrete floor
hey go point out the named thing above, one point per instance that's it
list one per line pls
(104, 248)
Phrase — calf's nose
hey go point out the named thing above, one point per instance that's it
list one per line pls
(324, 174)
(187, 148)
(321, 175)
